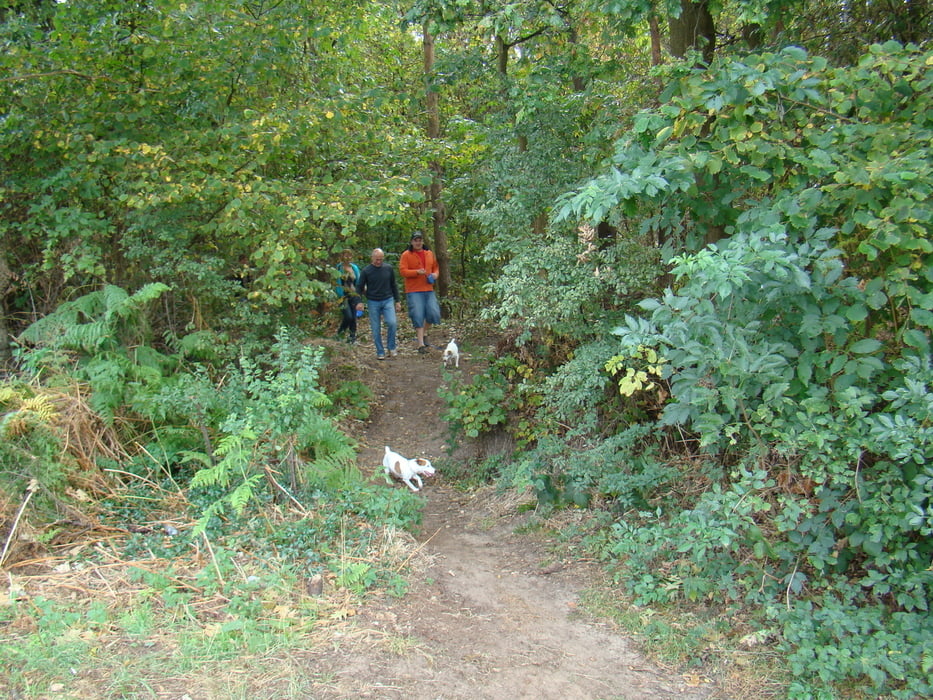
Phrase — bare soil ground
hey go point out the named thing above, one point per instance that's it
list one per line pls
(493, 608)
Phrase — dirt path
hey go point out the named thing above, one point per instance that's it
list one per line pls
(490, 613)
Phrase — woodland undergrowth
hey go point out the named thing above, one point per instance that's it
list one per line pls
(178, 490)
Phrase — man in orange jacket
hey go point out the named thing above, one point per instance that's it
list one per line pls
(418, 268)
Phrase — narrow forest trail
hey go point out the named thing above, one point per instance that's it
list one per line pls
(490, 613)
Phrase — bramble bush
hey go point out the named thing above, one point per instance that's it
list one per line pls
(844, 490)
(796, 352)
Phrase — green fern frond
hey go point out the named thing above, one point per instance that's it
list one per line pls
(188, 456)
(86, 337)
(90, 305)
(216, 508)
(237, 442)
(318, 434)
(335, 471)
(217, 475)
(199, 343)
(354, 574)
(114, 300)
(149, 292)
(89, 322)
(242, 494)
(118, 303)
(320, 400)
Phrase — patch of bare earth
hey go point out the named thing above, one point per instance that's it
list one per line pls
(492, 609)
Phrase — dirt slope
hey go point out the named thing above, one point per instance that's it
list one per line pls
(490, 613)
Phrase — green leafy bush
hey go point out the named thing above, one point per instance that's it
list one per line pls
(236, 439)
(274, 432)
(844, 439)
(838, 636)
(797, 355)
(476, 407)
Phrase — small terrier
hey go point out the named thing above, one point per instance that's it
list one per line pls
(406, 469)
(452, 354)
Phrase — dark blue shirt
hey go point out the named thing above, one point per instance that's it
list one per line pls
(378, 283)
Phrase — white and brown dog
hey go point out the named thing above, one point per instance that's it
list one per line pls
(406, 469)
(452, 354)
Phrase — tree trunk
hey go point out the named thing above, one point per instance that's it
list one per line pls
(655, 29)
(579, 82)
(435, 191)
(502, 57)
(694, 29)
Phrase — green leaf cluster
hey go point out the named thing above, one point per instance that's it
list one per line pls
(272, 431)
(777, 458)
(477, 407)
(224, 148)
(796, 336)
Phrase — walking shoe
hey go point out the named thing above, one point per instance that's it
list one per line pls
(380, 357)
(393, 353)
(422, 349)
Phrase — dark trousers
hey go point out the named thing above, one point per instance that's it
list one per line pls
(348, 321)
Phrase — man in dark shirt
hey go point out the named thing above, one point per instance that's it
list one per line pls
(377, 285)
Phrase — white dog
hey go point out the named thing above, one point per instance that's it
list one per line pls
(406, 469)
(452, 354)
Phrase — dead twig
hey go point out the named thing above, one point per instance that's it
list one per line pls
(416, 550)
(210, 549)
(31, 489)
(271, 478)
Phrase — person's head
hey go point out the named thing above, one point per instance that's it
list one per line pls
(346, 255)
(378, 256)
(417, 242)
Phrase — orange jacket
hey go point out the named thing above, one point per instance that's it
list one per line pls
(408, 266)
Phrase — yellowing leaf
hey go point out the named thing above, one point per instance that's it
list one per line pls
(693, 680)
(285, 612)
(342, 613)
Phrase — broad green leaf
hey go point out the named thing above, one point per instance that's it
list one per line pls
(866, 345)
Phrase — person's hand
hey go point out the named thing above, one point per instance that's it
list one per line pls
(431, 278)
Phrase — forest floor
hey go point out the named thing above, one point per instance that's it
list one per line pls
(494, 606)
(496, 601)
